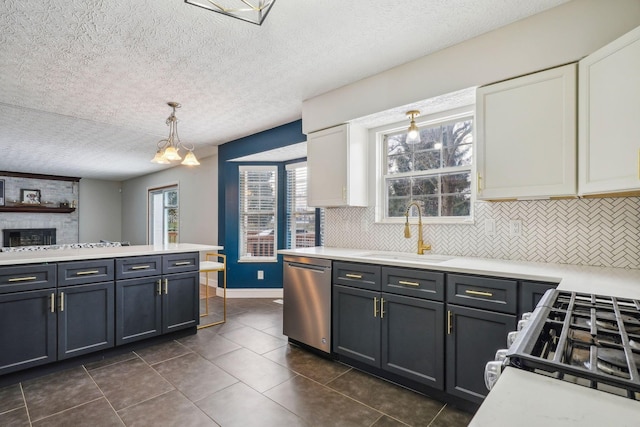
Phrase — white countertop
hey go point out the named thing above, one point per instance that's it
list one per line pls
(56, 255)
(618, 282)
(519, 397)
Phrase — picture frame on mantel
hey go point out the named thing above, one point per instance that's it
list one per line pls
(1, 192)
(30, 197)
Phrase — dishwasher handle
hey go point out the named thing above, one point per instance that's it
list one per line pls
(308, 267)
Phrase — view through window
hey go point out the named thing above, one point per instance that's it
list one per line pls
(258, 191)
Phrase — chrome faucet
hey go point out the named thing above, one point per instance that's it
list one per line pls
(407, 233)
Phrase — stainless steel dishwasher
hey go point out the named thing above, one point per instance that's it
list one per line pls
(307, 301)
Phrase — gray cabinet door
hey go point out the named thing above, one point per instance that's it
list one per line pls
(180, 307)
(85, 319)
(138, 309)
(531, 293)
(356, 324)
(413, 338)
(27, 329)
(473, 337)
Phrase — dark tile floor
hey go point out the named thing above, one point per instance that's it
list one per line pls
(241, 373)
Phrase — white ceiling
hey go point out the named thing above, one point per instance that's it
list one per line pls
(84, 83)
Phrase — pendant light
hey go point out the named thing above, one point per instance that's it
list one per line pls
(413, 133)
(169, 149)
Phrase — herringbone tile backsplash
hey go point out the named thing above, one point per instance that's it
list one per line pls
(600, 232)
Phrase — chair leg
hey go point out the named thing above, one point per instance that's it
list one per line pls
(206, 295)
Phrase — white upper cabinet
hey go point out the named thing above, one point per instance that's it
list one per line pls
(337, 167)
(609, 125)
(526, 136)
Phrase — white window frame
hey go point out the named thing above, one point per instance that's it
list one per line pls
(241, 243)
(291, 225)
(377, 135)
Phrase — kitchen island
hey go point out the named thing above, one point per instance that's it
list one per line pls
(521, 397)
(58, 304)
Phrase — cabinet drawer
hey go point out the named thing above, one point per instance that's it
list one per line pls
(483, 292)
(27, 278)
(180, 263)
(139, 266)
(415, 283)
(531, 293)
(364, 276)
(82, 272)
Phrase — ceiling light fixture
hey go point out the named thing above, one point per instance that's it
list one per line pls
(254, 11)
(169, 149)
(413, 133)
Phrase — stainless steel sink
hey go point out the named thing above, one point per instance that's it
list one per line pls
(406, 257)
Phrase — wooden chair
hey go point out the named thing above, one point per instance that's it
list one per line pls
(209, 266)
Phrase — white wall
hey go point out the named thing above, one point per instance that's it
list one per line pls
(554, 37)
(198, 187)
(100, 211)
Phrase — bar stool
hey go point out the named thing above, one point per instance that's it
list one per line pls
(209, 266)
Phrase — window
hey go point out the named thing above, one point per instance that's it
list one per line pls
(301, 219)
(258, 190)
(436, 172)
(163, 215)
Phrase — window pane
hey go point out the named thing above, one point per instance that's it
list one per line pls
(257, 193)
(398, 196)
(456, 205)
(425, 186)
(461, 155)
(456, 183)
(425, 160)
(429, 205)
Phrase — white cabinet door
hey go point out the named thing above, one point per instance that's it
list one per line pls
(526, 136)
(609, 125)
(336, 162)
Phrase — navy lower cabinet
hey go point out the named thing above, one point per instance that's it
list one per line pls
(476, 330)
(400, 334)
(138, 309)
(155, 305)
(413, 339)
(85, 319)
(27, 329)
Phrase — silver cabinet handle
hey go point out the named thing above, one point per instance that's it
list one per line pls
(140, 267)
(183, 263)
(53, 302)
(382, 308)
(375, 307)
(159, 287)
(61, 301)
(166, 286)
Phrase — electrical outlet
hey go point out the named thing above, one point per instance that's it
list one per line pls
(260, 275)
(515, 228)
(490, 227)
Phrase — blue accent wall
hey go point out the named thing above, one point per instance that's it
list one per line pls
(244, 275)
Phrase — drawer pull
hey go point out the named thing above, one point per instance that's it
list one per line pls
(480, 293)
(404, 282)
(53, 303)
(61, 301)
(375, 307)
(183, 263)
(87, 273)
(140, 267)
(354, 276)
(159, 287)
(449, 322)
(166, 286)
(382, 308)
(22, 279)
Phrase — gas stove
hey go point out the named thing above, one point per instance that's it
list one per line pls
(590, 340)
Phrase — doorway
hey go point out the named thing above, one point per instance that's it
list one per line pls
(164, 218)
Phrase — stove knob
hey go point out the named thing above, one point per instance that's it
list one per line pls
(501, 355)
(522, 324)
(527, 315)
(511, 338)
(492, 372)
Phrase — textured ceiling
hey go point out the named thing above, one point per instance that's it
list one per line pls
(84, 83)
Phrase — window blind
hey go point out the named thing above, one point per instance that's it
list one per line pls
(258, 189)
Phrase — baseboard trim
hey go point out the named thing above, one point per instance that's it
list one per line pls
(251, 293)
